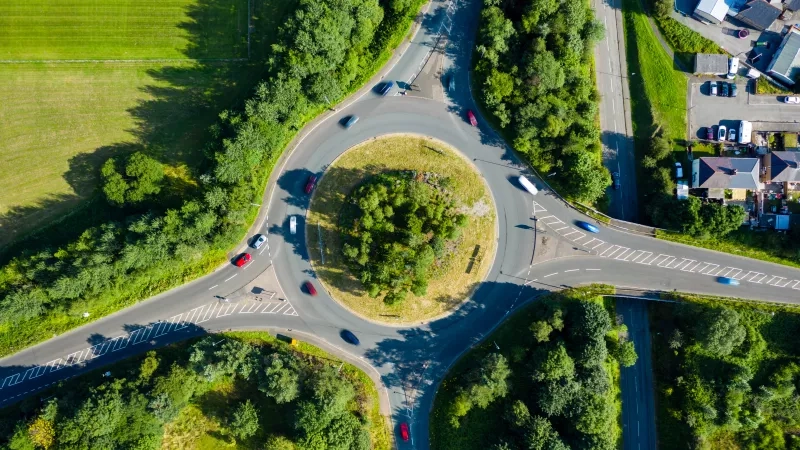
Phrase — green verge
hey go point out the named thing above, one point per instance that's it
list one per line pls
(481, 428)
(153, 281)
(684, 41)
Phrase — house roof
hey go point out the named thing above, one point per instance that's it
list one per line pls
(792, 5)
(758, 14)
(719, 173)
(784, 166)
(787, 59)
(707, 63)
(716, 8)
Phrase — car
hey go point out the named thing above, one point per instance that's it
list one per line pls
(710, 133)
(729, 281)
(615, 179)
(259, 241)
(312, 181)
(588, 227)
(712, 88)
(678, 170)
(451, 83)
(242, 259)
(530, 187)
(350, 122)
(312, 291)
(471, 116)
(722, 133)
(733, 90)
(349, 337)
(404, 434)
(725, 89)
(794, 100)
(293, 224)
(732, 135)
(387, 87)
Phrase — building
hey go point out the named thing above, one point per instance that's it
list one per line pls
(711, 11)
(785, 65)
(707, 64)
(715, 175)
(792, 5)
(758, 14)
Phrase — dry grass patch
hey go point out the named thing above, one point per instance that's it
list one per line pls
(462, 271)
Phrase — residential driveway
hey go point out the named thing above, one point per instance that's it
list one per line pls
(762, 110)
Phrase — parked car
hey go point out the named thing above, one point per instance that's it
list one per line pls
(242, 259)
(615, 179)
(387, 87)
(312, 181)
(530, 187)
(312, 291)
(732, 135)
(728, 281)
(259, 241)
(588, 227)
(725, 89)
(293, 224)
(712, 88)
(678, 170)
(471, 116)
(404, 434)
(794, 100)
(349, 337)
(733, 90)
(722, 133)
(451, 83)
(710, 133)
(350, 122)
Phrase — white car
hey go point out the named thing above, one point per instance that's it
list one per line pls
(732, 135)
(259, 241)
(723, 131)
(794, 100)
(528, 185)
(293, 224)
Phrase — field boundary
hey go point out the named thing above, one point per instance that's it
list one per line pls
(99, 61)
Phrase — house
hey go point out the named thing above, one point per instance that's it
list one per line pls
(758, 14)
(715, 175)
(707, 64)
(785, 65)
(782, 167)
(711, 11)
(792, 5)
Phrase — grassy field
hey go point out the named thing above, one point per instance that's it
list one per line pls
(658, 90)
(123, 29)
(60, 120)
(451, 283)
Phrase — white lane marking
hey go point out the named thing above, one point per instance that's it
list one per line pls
(538, 208)
(529, 282)
(571, 270)
(212, 287)
(234, 276)
(592, 269)
(555, 273)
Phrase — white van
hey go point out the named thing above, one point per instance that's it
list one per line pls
(734, 68)
(745, 129)
(528, 185)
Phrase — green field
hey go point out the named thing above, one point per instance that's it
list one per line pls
(61, 120)
(122, 29)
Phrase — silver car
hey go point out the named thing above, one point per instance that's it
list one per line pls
(259, 241)
(293, 224)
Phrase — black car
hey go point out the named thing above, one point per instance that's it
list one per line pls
(349, 337)
(733, 90)
(451, 83)
(725, 89)
(615, 179)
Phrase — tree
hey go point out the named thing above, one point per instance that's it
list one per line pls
(518, 415)
(662, 8)
(660, 147)
(541, 330)
(591, 320)
(42, 433)
(276, 442)
(541, 436)
(488, 381)
(143, 176)
(281, 379)
(626, 354)
(555, 395)
(719, 331)
(553, 363)
(587, 178)
(244, 422)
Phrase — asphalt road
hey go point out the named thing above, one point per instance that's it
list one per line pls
(408, 360)
(615, 113)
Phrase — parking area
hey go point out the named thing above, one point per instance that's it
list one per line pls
(768, 113)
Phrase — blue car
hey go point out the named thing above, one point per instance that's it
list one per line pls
(387, 87)
(349, 337)
(728, 281)
(588, 227)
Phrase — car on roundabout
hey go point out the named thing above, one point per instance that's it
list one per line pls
(404, 433)
(587, 226)
(615, 180)
(729, 281)
(791, 100)
(242, 259)
(312, 181)
(530, 187)
(310, 289)
(349, 337)
(472, 119)
(350, 122)
(293, 224)
(451, 83)
(259, 241)
(387, 87)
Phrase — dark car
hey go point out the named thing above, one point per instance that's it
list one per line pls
(733, 90)
(471, 116)
(725, 88)
(312, 291)
(387, 88)
(710, 133)
(404, 434)
(615, 179)
(451, 83)
(728, 281)
(351, 121)
(349, 337)
(312, 181)
(242, 259)
(587, 226)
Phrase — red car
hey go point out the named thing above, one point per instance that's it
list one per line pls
(243, 259)
(404, 432)
(312, 181)
(472, 120)
(710, 133)
(312, 291)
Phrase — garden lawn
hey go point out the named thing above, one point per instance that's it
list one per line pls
(451, 283)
